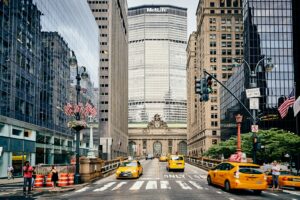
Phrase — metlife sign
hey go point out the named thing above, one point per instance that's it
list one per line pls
(157, 10)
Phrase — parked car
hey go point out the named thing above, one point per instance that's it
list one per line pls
(149, 157)
(233, 175)
(285, 179)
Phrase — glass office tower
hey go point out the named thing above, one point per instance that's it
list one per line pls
(267, 33)
(157, 63)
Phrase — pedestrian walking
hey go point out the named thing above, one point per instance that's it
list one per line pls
(33, 177)
(275, 175)
(27, 170)
(54, 177)
(10, 172)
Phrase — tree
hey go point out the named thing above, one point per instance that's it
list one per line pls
(276, 143)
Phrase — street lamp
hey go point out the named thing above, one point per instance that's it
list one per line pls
(239, 119)
(253, 84)
(83, 75)
(290, 160)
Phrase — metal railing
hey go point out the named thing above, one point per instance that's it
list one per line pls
(202, 163)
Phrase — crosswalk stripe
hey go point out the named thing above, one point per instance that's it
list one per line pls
(183, 185)
(137, 185)
(82, 189)
(196, 185)
(119, 185)
(164, 185)
(108, 185)
(151, 185)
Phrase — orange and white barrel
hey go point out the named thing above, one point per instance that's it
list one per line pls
(63, 179)
(48, 181)
(39, 180)
(71, 178)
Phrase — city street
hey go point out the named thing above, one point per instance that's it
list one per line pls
(157, 183)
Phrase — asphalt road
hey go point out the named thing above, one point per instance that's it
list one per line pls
(156, 183)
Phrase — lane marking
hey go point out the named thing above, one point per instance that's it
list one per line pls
(151, 185)
(165, 185)
(119, 185)
(105, 187)
(184, 185)
(196, 185)
(137, 185)
(206, 188)
(219, 192)
(231, 199)
(291, 192)
(82, 189)
(271, 194)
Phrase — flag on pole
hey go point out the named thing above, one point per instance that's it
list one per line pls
(284, 107)
(93, 112)
(68, 109)
(296, 106)
(88, 108)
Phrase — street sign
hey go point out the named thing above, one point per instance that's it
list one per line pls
(254, 128)
(254, 92)
(254, 103)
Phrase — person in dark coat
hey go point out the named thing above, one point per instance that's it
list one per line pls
(54, 177)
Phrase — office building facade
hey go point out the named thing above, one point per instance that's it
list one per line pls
(157, 71)
(219, 40)
(268, 32)
(111, 18)
(34, 83)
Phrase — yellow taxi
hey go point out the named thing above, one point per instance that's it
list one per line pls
(285, 179)
(175, 162)
(234, 175)
(162, 158)
(129, 169)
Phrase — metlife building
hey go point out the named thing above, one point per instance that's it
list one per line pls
(157, 63)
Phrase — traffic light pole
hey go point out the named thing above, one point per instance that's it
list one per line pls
(241, 103)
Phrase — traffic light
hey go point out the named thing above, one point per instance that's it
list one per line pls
(203, 88)
(198, 84)
(209, 84)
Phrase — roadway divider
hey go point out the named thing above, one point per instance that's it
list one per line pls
(202, 162)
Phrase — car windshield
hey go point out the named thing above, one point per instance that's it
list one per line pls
(128, 164)
(177, 158)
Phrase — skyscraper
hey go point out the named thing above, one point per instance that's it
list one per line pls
(157, 58)
(268, 32)
(111, 17)
(219, 39)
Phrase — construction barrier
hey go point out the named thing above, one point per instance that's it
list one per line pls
(63, 179)
(48, 181)
(39, 180)
(71, 179)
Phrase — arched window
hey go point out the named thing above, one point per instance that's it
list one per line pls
(182, 148)
(131, 148)
(157, 148)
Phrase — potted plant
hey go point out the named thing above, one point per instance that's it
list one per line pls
(77, 125)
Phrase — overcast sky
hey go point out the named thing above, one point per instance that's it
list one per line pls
(191, 5)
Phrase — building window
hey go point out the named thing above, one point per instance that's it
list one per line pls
(213, 52)
(214, 124)
(212, 4)
(214, 133)
(214, 107)
(212, 28)
(212, 44)
(213, 60)
(212, 20)
(214, 141)
(213, 67)
(170, 145)
(212, 11)
(212, 36)
(145, 144)
(16, 132)
(214, 116)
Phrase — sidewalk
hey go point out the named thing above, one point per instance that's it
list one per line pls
(5, 181)
(17, 191)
